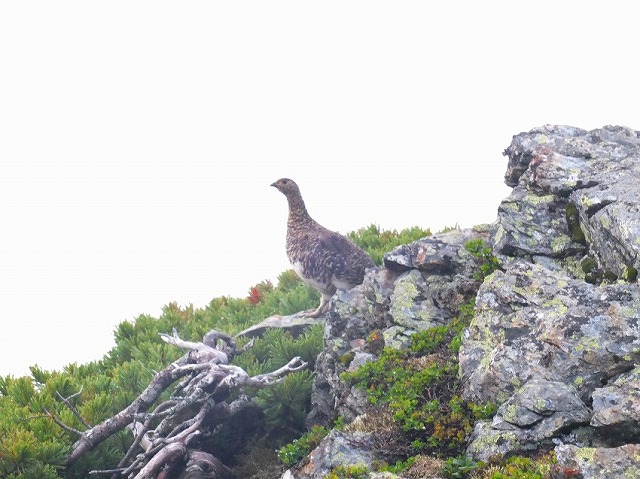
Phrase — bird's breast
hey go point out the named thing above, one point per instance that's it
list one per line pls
(307, 277)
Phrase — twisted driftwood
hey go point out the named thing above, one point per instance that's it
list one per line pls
(207, 380)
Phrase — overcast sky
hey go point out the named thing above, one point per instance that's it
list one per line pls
(138, 140)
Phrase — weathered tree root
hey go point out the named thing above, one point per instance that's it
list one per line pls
(207, 381)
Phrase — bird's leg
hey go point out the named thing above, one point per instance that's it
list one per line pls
(322, 309)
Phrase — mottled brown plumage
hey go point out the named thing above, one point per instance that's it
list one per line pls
(323, 259)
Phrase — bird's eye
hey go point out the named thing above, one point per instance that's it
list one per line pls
(284, 182)
(205, 467)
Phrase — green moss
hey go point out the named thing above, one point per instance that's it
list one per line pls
(588, 264)
(346, 358)
(588, 344)
(488, 441)
(556, 304)
(376, 242)
(519, 467)
(515, 381)
(573, 223)
(405, 292)
(539, 200)
(629, 273)
(511, 413)
(632, 472)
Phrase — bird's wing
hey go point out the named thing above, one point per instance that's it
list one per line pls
(336, 243)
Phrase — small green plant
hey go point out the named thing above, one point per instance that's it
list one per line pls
(348, 472)
(291, 453)
(520, 467)
(398, 466)
(484, 253)
(459, 467)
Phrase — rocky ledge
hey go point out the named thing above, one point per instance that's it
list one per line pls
(555, 339)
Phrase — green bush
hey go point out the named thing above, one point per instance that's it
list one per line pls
(484, 253)
(420, 387)
(377, 242)
(459, 467)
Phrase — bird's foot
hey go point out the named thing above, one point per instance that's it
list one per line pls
(319, 311)
(314, 313)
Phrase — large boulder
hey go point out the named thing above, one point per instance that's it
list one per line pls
(538, 412)
(531, 322)
(556, 335)
(337, 449)
(559, 170)
(597, 463)
(616, 407)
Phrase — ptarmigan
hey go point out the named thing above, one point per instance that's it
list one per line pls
(323, 259)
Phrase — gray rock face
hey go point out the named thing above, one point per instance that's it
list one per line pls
(616, 408)
(598, 463)
(555, 169)
(531, 322)
(535, 414)
(337, 449)
(560, 353)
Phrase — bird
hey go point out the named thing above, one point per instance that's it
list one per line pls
(323, 259)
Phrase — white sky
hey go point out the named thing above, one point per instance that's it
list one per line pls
(138, 139)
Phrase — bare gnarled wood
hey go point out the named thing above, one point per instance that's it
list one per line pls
(207, 381)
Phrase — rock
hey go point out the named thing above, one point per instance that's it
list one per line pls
(531, 322)
(616, 408)
(534, 415)
(486, 442)
(597, 463)
(534, 223)
(557, 169)
(440, 254)
(337, 449)
(295, 324)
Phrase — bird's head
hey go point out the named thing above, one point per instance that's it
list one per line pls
(286, 186)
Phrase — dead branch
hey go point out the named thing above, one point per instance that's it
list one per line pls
(162, 436)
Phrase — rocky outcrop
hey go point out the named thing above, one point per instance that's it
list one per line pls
(556, 335)
(555, 340)
(421, 286)
(574, 187)
(534, 323)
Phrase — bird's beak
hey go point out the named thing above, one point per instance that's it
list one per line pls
(273, 184)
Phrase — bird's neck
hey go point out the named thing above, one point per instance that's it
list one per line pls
(297, 210)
